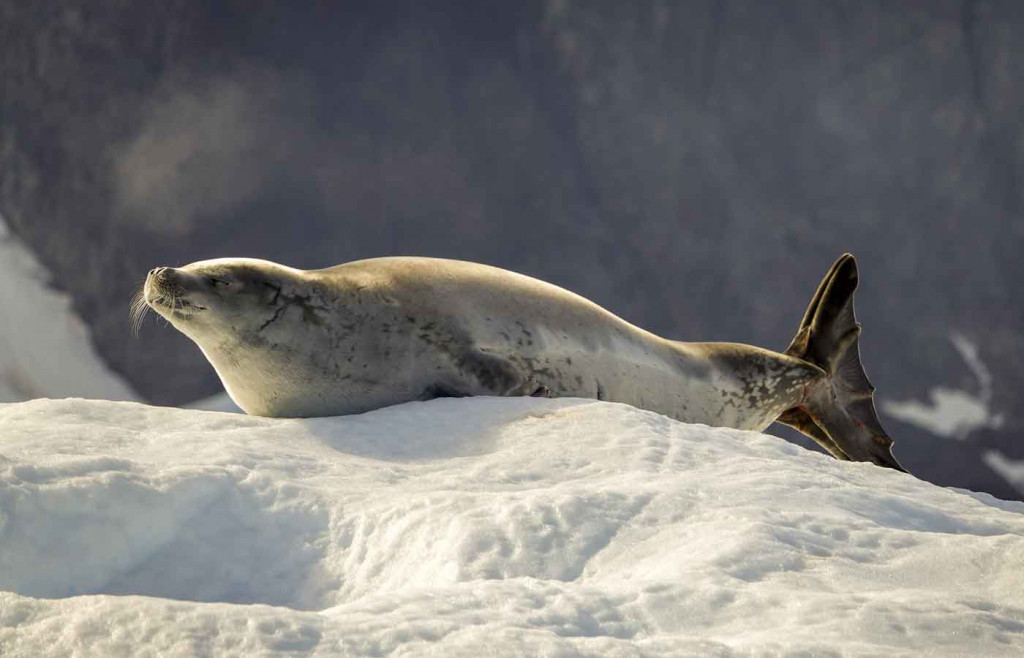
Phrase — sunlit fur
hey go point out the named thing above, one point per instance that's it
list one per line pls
(362, 335)
(373, 333)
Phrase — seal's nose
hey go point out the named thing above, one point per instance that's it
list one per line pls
(157, 271)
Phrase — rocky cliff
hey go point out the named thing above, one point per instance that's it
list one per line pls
(692, 166)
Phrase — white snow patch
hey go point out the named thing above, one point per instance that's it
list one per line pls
(480, 526)
(45, 349)
(953, 413)
(1010, 470)
(950, 413)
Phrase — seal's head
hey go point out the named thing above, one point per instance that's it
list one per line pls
(260, 324)
(214, 299)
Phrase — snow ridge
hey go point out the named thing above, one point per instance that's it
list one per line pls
(524, 526)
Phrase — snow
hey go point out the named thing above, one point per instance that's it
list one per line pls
(953, 413)
(480, 526)
(45, 348)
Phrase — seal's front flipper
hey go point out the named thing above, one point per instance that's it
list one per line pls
(842, 405)
(440, 390)
(542, 391)
(500, 376)
(530, 388)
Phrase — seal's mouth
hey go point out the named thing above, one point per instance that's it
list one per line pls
(176, 305)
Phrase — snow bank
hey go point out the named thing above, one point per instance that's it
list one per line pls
(473, 526)
(45, 348)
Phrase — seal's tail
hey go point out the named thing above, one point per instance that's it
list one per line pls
(840, 412)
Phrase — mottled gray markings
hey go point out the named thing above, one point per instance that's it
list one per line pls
(309, 308)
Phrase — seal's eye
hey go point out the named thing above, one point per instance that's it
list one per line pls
(218, 283)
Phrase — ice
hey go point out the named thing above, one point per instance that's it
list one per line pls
(480, 526)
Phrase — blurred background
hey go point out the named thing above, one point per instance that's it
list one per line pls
(693, 166)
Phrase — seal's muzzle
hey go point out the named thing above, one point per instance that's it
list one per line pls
(167, 289)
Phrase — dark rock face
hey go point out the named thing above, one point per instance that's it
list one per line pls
(694, 167)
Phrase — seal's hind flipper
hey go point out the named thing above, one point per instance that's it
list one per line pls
(803, 423)
(843, 405)
(829, 328)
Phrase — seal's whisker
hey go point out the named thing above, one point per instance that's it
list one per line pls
(133, 310)
(137, 311)
(133, 314)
